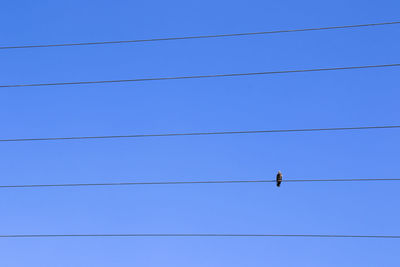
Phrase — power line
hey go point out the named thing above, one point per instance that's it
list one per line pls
(202, 76)
(197, 182)
(199, 133)
(202, 36)
(199, 235)
(344, 180)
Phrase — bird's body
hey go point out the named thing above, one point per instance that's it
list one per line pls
(279, 179)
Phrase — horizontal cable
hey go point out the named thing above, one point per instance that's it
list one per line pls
(198, 182)
(344, 180)
(199, 133)
(200, 235)
(202, 76)
(203, 36)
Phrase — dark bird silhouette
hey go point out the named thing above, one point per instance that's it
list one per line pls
(279, 179)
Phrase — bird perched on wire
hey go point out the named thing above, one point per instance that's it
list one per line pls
(279, 179)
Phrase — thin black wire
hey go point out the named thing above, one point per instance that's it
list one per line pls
(344, 180)
(199, 133)
(202, 76)
(199, 235)
(202, 36)
(138, 183)
(196, 182)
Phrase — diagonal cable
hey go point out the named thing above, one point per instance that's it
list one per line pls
(199, 182)
(201, 36)
(201, 133)
(202, 76)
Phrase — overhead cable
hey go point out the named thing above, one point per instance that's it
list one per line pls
(199, 182)
(201, 36)
(201, 76)
(200, 133)
(199, 235)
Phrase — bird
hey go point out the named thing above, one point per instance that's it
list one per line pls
(279, 179)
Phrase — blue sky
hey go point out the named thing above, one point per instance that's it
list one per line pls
(308, 100)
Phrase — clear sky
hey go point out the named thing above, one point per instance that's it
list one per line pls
(304, 100)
